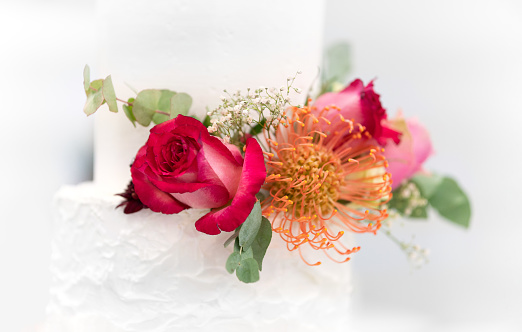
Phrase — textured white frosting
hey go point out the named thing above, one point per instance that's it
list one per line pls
(152, 272)
(199, 47)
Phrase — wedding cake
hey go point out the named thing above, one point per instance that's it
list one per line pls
(146, 271)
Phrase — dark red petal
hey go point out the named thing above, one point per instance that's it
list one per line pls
(388, 133)
(150, 195)
(252, 178)
(132, 207)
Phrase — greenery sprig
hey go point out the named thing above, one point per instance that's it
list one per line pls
(251, 241)
(151, 105)
(443, 194)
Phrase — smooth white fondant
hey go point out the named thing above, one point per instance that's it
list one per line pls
(152, 272)
(199, 47)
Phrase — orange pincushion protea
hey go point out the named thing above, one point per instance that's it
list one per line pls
(324, 175)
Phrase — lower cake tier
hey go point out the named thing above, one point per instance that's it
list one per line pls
(151, 272)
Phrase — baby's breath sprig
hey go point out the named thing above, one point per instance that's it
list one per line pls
(262, 108)
(417, 256)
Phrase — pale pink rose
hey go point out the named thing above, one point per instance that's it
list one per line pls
(406, 158)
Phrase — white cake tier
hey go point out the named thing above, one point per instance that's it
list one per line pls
(152, 272)
(199, 47)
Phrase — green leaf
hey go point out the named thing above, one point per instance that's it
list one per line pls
(180, 104)
(258, 128)
(86, 78)
(231, 238)
(95, 86)
(164, 105)
(262, 241)
(427, 184)
(206, 121)
(248, 253)
(250, 227)
(337, 62)
(128, 111)
(109, 95)
(153, 105)
(248, 271)
(260, 196)
(233, 262)
(237, 247)
(94, 101)
(451, 202)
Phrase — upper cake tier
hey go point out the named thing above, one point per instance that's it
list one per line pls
(201, 48)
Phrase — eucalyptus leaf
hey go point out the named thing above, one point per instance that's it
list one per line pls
(247, 253)
(109, 95)
(250, 227)
(128, 111)
(248, 271)
(94, 101)
(86, 78)
(180, 104)
(164, 105)
(237, 247)
(145, 106)
(95, 86)
(262, 241)
(451, 202)
(231, 238)
(233, 262)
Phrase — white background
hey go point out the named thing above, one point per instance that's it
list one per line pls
(456, 65)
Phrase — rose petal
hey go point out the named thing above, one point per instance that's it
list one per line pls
(252, 178)
(222, 162)
(348, 100)
(422, 147)
(235, 152)
(406, 158)
(185, 125)
(361, 104)
(150, 195)
(209, 197)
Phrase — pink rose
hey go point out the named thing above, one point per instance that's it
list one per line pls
(182, 166)
(415, 147)
(361, 104)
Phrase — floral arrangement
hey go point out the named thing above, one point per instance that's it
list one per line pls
(262, 165)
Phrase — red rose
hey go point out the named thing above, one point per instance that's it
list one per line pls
(362, 104)
(182, 166)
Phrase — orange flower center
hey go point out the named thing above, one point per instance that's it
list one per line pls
(319, 178)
